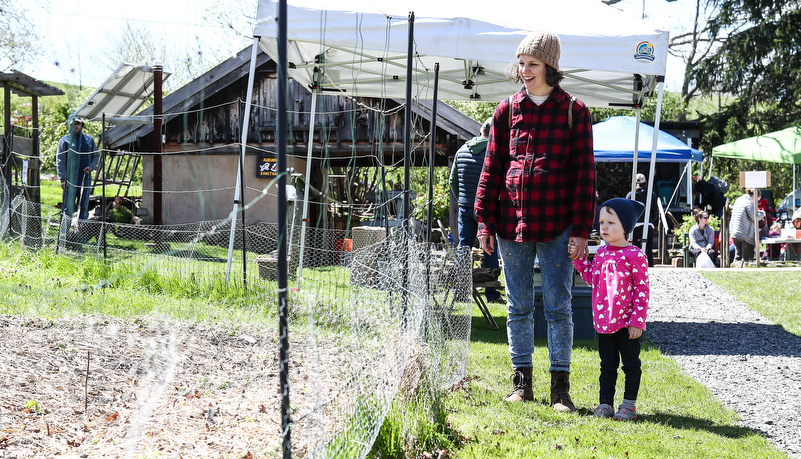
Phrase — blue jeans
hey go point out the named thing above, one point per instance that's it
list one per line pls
(468, 228)
(557, 281)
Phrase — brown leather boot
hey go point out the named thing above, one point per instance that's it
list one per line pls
(560, 391)
(521, 379)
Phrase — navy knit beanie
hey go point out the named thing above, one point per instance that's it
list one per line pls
(627, 210)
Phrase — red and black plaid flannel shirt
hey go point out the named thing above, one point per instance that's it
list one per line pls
(538, 177)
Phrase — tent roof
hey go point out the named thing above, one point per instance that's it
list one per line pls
(777, 147)
(613, 141)
(360, 48)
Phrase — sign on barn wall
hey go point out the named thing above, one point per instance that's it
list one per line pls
(266, 166)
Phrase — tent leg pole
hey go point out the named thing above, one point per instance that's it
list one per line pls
(652, 168)
(636, 153)
(244, 140)
(307, 186)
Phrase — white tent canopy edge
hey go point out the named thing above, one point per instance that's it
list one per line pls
(610, 59)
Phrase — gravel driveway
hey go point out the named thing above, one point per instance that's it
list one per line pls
(747, 361)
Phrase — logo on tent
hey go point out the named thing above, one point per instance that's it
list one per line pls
(645, 52)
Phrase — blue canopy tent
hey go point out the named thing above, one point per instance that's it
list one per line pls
(612, 140)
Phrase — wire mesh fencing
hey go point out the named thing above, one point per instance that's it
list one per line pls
(374, 312)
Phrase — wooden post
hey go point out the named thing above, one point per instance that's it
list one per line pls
(756, 226)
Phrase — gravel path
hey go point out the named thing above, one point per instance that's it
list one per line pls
(747, 361)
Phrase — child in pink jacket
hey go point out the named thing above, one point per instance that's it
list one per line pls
(619, 278)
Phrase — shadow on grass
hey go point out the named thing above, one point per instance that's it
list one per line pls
(693, 423)
(693, 338)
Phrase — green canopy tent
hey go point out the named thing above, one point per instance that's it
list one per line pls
(776, 147)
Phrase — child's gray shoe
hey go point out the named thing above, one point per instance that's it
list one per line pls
(604, 411)
(625, 414)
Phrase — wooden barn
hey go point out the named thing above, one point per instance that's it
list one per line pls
(355, 141)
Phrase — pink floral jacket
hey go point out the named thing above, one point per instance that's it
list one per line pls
(620, 291)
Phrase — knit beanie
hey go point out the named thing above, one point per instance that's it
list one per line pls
(628, 211)
(543, 45)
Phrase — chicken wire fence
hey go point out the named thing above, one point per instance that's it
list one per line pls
(375, 313)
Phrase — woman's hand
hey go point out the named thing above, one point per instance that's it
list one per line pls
(577, 248)
(487, 244)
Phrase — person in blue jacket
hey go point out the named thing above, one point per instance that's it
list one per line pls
(465, 172)
(76, 158)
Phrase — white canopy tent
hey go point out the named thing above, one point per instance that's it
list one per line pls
(361, 48)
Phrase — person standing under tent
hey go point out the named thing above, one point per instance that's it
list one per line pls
(640, 195)
(76, 158)
(536, 195)
(741, 226)
(466, 170)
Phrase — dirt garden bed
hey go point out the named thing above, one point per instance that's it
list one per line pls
(153, 389)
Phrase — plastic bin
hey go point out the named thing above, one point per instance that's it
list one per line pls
(582, 314)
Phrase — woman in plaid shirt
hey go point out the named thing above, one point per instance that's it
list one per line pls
(536, 195)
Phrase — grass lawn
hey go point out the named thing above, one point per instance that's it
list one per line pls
(679, 418)
(47, 285)
(51, 192)
(774, 294)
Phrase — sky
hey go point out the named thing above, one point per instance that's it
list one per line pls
(74, 31)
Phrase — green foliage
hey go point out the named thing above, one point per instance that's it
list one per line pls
(121, 214)
(479, 111)
(32, 405)
(389, 444)
(758, 65)
(440, 203)
(441, 195)
(729, 125)
(413, 427)
(50, 285)
(757, 62)
(673, 109)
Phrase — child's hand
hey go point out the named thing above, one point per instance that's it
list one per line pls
(634, 332)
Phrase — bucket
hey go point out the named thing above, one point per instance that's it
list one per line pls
(344, 247)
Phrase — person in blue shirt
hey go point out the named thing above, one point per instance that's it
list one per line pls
(465, 172)
(76, 158)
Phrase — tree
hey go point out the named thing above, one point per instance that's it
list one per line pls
(695, 44)
(757, 66)
(236, 17)
(139, 43)
(19, 37)
(758, 63)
